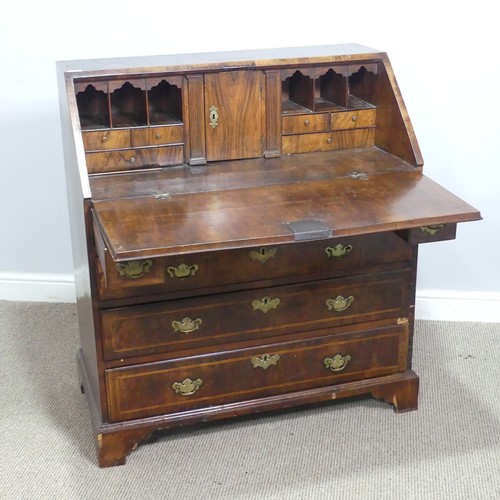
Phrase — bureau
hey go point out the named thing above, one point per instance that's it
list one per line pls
(245, 228)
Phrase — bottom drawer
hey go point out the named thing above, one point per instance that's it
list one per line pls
(189, 383)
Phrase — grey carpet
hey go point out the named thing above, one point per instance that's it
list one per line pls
(449, 448)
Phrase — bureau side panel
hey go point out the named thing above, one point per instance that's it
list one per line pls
(78, 206)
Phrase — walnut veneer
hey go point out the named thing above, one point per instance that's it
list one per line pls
(245, 229)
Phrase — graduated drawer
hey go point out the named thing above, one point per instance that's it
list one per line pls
(301, 124)
(156, 136)
(353, 119)
(209, 269)
(328, 141)
(106, 139)
(189, 383)
(187, 324)
(130, 159)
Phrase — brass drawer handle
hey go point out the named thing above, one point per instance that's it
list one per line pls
(134, 269)
(339, 251)
(265, 304)
(187, 325)
(157, 136)
(263, 254)
(265, 361)
(213, 116)
(337, 363)
(104, 138)
(354, 118)
(187, 386)
(306, 122)
(432, 230)
(340, 303)
(132, 159)
(329, 140)
(182, 270)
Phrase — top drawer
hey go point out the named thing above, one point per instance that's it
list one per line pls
(323, 258)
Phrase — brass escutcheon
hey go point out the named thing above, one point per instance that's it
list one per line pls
(263, 254)
(432, 230)
(187, 325)
(265, 361)
(337, 363)
(187, 386)
(134, 269)
(340, 303)
(213, 116)
(265, 304)
(339, 251)
(182, 270)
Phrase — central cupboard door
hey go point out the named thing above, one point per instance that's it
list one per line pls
(234, 115)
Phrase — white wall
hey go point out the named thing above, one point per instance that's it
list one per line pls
(443, 59)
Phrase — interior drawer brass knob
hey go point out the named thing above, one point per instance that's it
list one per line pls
(340, 303)
(329, 140)
(339, 251)
(306, 122)
(187, 325)
(187, 386)
(182, 270)
(265, 304)
(354, 118)
(104, 138)
(157, 136)
(132, 159)
(337, 363)
(134, 269)
(265, 361)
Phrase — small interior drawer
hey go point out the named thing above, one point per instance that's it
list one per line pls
(342, 120)
(301, 124)
(157, 136)
(179, 385)
(106, 139)
(130, 159)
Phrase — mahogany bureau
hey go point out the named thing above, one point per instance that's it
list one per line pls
(245, 229)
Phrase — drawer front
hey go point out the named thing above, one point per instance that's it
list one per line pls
(208, 269)
(157, 136)
(302, 124)
(353, 119)
(308, 143)
(329, 141)
(129, 159)
(430, 234)
(179, 385)
(193, 323)
(106, 139)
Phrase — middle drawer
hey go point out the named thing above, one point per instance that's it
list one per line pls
(186, 324)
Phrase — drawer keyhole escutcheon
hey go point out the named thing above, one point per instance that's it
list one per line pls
(134, 269)
(187, 386)
(432, 230)
(265, 304)
(339, 251)
(265, 361)
(263, 254)
(340, 303)
(337, 363)
(182, 270)
(187, 325)
(213, 116)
